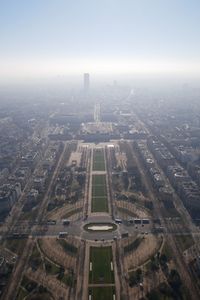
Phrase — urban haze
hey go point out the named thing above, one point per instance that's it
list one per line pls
(99, 150)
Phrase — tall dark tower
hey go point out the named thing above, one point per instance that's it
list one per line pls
(86, 83)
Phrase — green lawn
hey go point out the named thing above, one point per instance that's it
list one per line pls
(102, 293)
(99, 166)
(99, 191)
(100, 258)
(98, 160)
(99, 204)
(99, 179)
(99, 194)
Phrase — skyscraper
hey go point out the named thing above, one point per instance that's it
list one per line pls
(86, 82)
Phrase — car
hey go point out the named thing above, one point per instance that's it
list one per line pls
(51, 222)
(63, 234)
(65, 222)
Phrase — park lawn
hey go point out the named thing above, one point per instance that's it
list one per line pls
(99, 191)
(99, 204)
(99, 165)
(99, 179)
(99, 194)
(102, 293)
(101, 258)
(98, 160)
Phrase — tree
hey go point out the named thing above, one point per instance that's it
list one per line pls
(163, 260)
(175, 280)
(154, 264)
(165, 289)
(153, 295)
(135, 277)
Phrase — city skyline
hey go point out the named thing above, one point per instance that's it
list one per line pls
(127, 37)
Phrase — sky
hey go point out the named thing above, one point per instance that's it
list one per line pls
(47, 37)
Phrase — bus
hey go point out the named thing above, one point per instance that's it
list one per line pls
(137, 221)
(145, 221)
(118, 221)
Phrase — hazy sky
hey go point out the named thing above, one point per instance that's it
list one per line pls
(60, 36)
